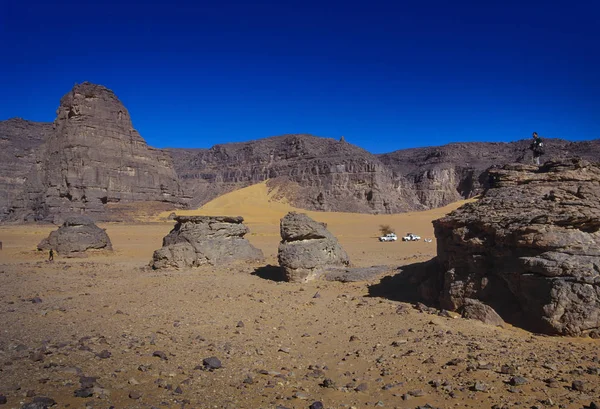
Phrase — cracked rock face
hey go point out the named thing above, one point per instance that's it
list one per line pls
(530, 247)
(76, 235)
(200, 240)
(307, 248)
(93, 158)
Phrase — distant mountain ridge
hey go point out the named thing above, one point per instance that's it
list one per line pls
(91, 157)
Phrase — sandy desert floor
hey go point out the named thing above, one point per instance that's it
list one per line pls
(106, 331)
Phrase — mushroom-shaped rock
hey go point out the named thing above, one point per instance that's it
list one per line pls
(76, 235)
(307, 248)
(199, 240)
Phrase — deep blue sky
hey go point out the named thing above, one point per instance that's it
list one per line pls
(386, 75)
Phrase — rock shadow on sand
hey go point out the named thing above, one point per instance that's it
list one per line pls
(270, 272)
(413, 283)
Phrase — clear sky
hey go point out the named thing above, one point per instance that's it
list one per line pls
(386, 75)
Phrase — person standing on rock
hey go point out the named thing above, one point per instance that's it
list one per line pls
(537, 146)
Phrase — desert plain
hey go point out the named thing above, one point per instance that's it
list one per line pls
(108, 331)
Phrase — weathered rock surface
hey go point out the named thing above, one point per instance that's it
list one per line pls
(199, 240)
(310, 172)
(94, 158)
(530, 248)
(476, 310)
(19, 140)
(76, 235)
(307, 248)
(445, 174)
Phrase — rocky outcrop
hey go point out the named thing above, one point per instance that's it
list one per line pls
(19, 140)
(530, 247)
(94, 158)
(444, 174)
(200, 240)
(76, 235)
(310, 172)
(307, 248)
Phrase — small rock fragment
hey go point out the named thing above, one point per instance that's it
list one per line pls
(211, 363)
(578, 386)
(135, 395)
(316, 405)
(161, 355)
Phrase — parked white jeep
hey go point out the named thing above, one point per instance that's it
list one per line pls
(389, 237)
(411, 237)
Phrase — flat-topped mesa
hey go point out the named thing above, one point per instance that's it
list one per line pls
(530, 247)
(200, 240)
(94, 158)
(307, 248)
(75, 236)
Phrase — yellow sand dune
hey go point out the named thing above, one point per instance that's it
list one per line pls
(357, 232)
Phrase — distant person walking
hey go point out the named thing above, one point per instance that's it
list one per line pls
(51, 255)
(537, 146)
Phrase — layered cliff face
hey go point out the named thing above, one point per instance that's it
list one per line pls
(311, 172)
(19, 140)
(94, 157)
(530, 247)
(457, 171)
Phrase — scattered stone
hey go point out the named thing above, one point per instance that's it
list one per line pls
(240, 324)
(455, 362)
(508, 369)
(104, 354)
(178, 390)
(476, 310)
(328, 383)
(45, 401)
(84, 392)
(36, 300)
(300, 395)
(3, 400)
(211, 363)
(316, 405)
(135, 394)
(517, 381)
(361, 387)
(161, 355)
(578, 386)
(479, 387)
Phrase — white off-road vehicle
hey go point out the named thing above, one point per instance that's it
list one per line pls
(411, 237)
(389, 237)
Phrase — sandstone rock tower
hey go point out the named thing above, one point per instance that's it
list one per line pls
(94, 157)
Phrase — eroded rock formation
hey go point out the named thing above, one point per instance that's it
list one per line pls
(19, 141)
(200, 240)
(530, 247)
(307, 248)
(92, 158)
(310, 172)
(76, 235)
